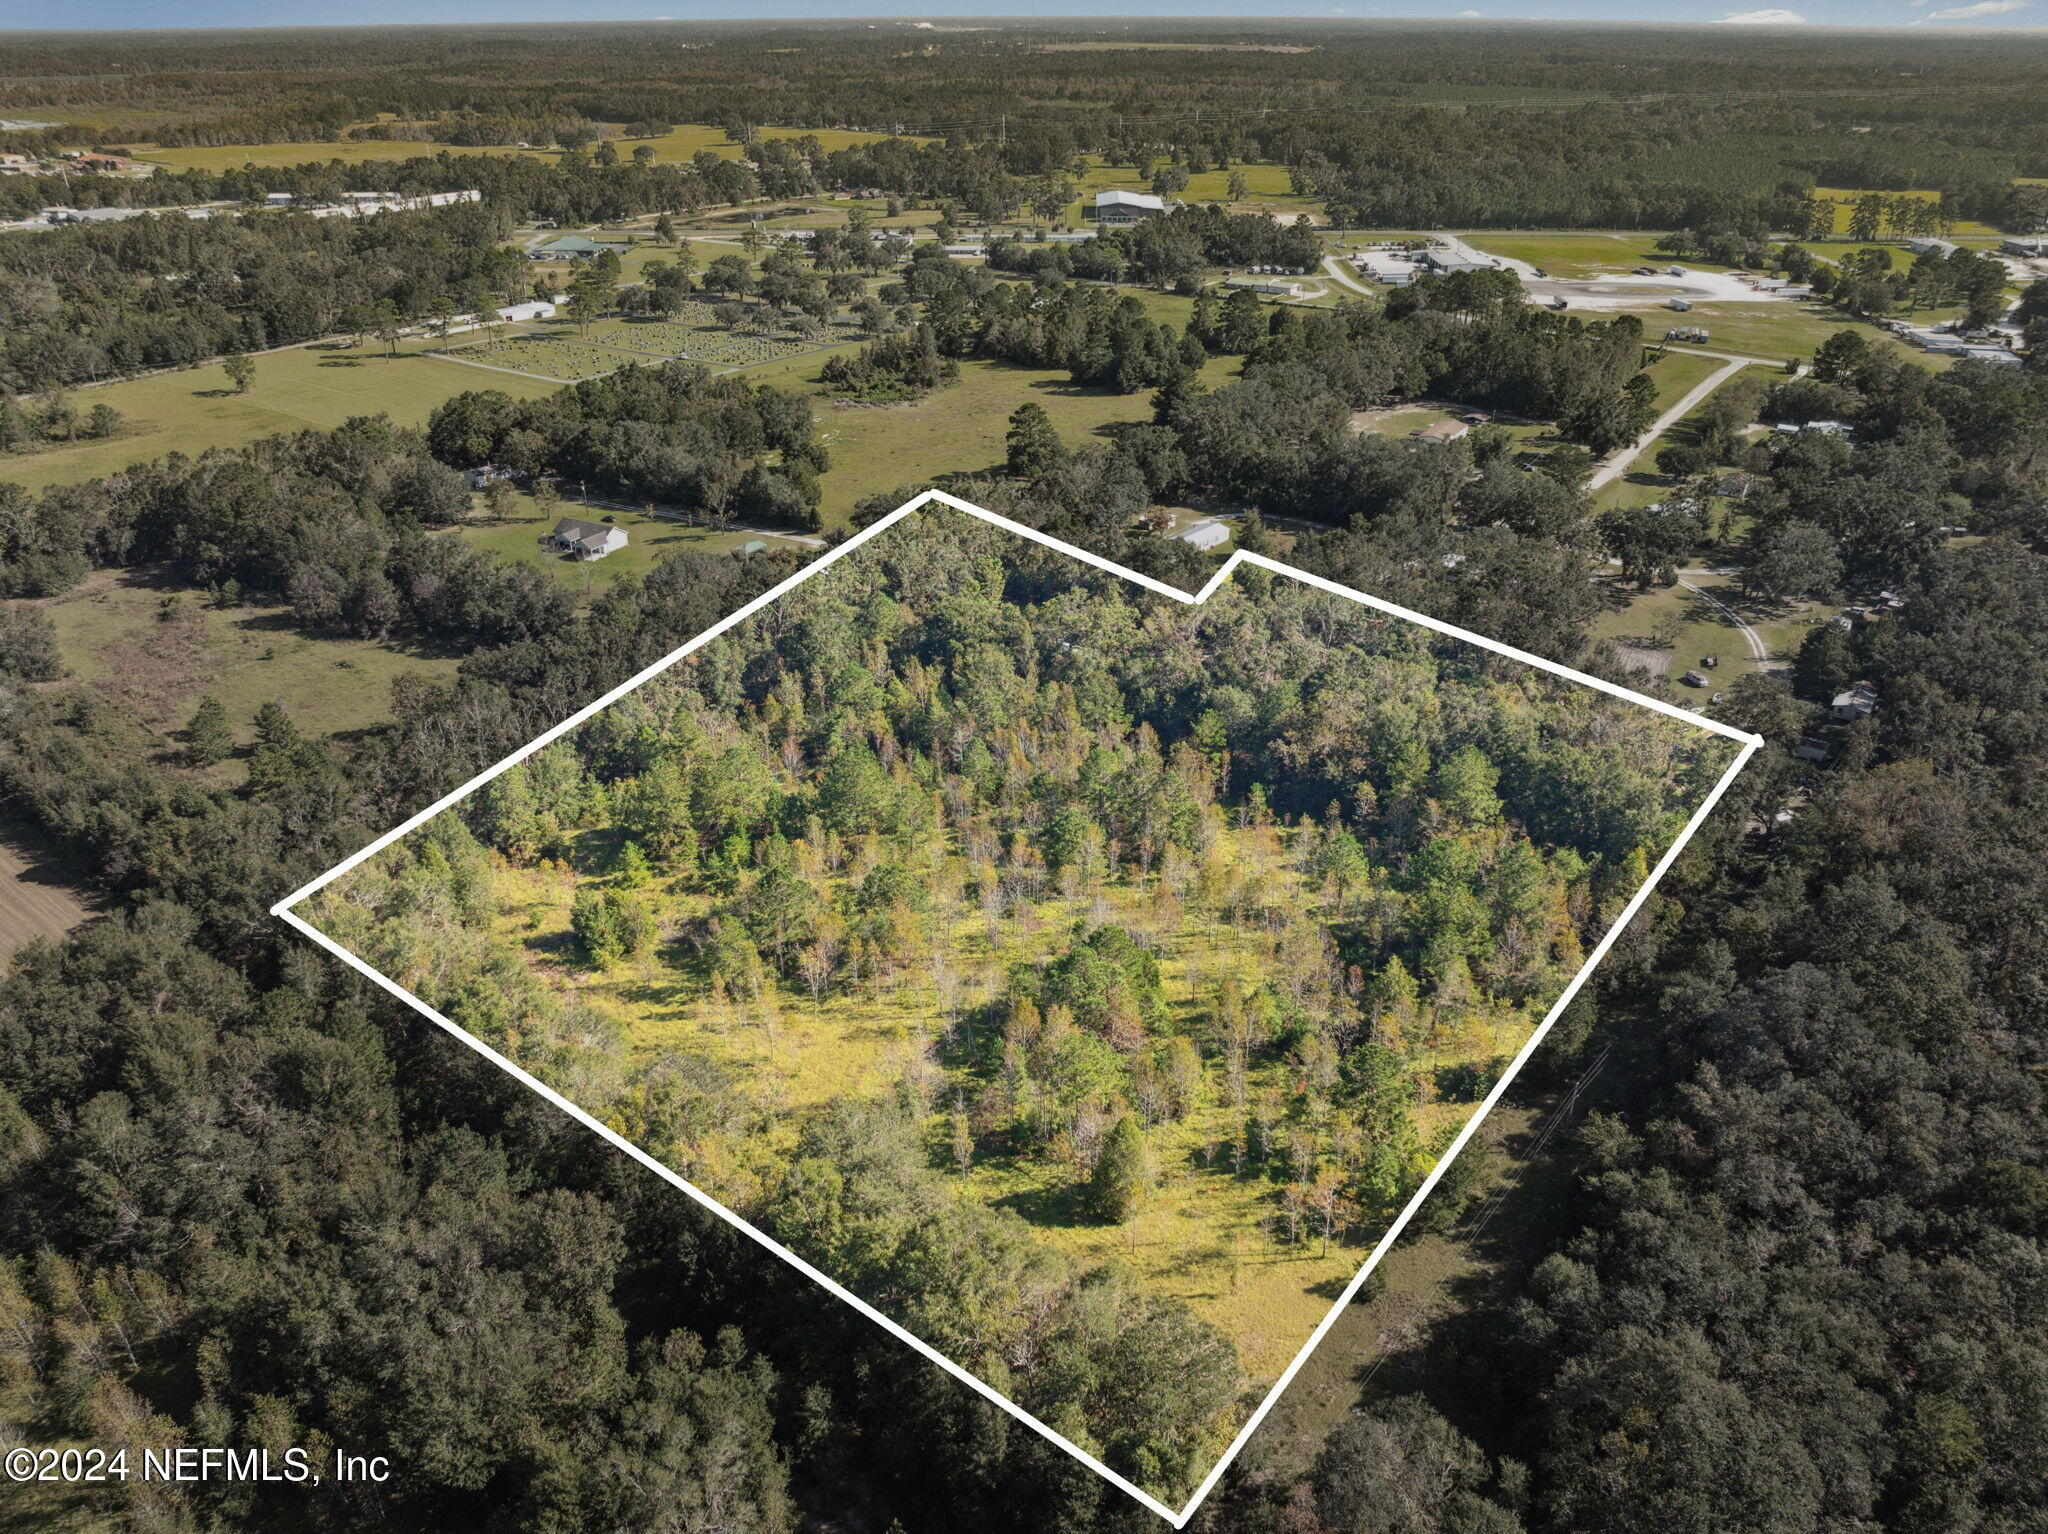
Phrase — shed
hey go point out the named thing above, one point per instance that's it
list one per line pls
(1205, 534)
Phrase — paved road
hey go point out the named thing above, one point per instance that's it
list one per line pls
(1618, 463)
(1345, 277)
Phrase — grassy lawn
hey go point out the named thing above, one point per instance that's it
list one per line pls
(1574, 253)
(349, 151)
(878, 448)
(1675, 373)
(1268, 188)
(682, 143)
(153, 648)
(650, 540)
(1844, 199)
(309, 386)
(1774, 330)
(1667, 631)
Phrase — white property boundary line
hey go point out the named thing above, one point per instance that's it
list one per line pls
(1179, 1518)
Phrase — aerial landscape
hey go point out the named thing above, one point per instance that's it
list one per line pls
(1086, 980)
(1021, 923)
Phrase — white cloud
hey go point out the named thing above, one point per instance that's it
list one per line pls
(1771, 18)
(1972, 12)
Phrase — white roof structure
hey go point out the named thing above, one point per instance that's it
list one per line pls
(1129, 202)
(1205, 534)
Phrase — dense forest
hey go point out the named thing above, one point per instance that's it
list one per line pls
(1395, 125)
(1318, 871)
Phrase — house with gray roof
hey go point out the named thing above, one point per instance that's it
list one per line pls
(587, 540)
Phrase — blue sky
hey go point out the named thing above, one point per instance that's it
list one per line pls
(106, 14)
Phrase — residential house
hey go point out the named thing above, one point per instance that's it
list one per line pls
(1205, 534)
(587, 540)
(1859, 702)
(1443, 431)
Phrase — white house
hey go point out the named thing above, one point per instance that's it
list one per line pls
(1127, 207)
(1205, 534)
(587, 540)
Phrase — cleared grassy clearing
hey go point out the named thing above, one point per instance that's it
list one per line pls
(650, 540)
(680, 145)
(38, 891)
(220, 157)
(877, 448)
(1267, 188)
(1772, 330)
(1575, 253)
(320, 386)
(1844, 199)
(152, 648)
(1675, 373)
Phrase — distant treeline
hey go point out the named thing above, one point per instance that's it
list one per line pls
(94, 301)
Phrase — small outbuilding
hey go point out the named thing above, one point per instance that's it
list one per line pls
(1205, 534)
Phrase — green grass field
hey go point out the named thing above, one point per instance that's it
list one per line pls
(349, 151)
(650, 540)
(152, 648)
(1844, 199)
(878, 448)
(1770, 330)
(1268, 188)
(1574, 253)
(682, 143)
(309, 386)
(1676, 372)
